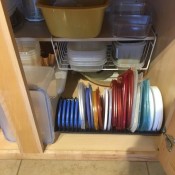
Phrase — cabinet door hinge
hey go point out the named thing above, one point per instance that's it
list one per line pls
(170, 141)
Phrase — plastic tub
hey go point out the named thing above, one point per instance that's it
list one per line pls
(81, 21)
(86, 51)
(137, 26)
(129, 54)
(39, 76)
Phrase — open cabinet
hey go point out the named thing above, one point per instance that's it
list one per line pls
(16, 102)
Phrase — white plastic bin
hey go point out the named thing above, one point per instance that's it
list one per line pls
(129, 54)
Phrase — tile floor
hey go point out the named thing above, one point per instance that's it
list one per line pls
(55, 167)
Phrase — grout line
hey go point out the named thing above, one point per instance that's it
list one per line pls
(147, 168)
(19, 167)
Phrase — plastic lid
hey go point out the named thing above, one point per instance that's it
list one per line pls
(95, 111)
(91, 107)
(81, 97)
(72, 112)
(60, 107)
(99, 109)
(114, 103)
(64, 114)
(135, 100)
(68, 114)
(110, 110)
(76, 117)
(88, 110)
(105, 107)
(136, 111)
(158, 104)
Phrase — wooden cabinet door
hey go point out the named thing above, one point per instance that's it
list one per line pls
(14, 95)
(167, 157)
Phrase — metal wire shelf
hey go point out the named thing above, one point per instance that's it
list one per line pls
(60, 51)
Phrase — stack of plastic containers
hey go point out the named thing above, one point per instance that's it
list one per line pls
(29, 52)
(86, 56)
(130, 19)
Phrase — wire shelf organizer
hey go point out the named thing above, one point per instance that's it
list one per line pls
(60, 51)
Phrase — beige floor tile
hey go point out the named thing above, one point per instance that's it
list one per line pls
(53, 167)
(155, 168)
(9, 167)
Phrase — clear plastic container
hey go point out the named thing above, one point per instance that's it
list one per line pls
(129, 8)
(32, 13)
(87, 66)
(86, 56)
(134, 26)
(39, 76)
(86, 51)
(29, 52)
(44, 114)
(129, 54)
(78, 21)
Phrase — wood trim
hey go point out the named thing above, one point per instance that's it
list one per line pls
(13, 93)
(94, 155)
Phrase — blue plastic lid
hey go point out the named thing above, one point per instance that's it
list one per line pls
(68, 114)
(91, 107)
(64, 113)
(72, 113)
(145, 107)
(76, 115)
(88, 112)
(60, 103)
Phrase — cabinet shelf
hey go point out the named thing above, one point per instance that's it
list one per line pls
(39, 31)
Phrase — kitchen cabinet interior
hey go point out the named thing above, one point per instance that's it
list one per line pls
(88, 146)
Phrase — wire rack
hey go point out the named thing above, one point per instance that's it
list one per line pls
(60, 51)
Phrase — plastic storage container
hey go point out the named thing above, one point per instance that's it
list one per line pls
(44, 114)
(82, 20)
(44, 101)
(129, 54)
(39, 76)
(29, 52)
(86, 56)
(86, 51)
(129, 8)
(134, 26)
(32, 13)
